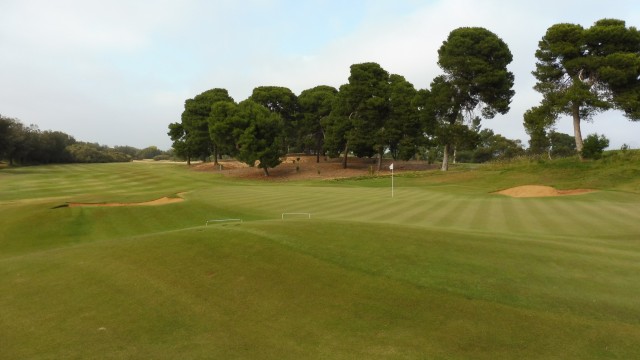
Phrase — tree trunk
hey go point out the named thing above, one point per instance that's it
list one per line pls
(188, 160)
(445, 158)
(455, 153)
(346, 151)
(266, 171)
(318, 148)
(380, 158)
(576, 129)
(215, 155)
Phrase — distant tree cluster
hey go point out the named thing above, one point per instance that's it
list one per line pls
(580, 72)
(26, 145)
(375, 114)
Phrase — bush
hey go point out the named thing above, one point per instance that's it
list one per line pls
(593, 146)
(148, 153)
(161, 157)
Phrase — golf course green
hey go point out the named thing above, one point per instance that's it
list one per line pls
(444, 269)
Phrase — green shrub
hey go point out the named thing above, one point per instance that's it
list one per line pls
(161, 157)
(593, 146)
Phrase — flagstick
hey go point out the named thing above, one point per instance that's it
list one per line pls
(391, 180)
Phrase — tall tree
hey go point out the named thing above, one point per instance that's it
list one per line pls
(10, 130)
(261, 141)
(474, 61)
(402, 130)
(181, 142)
(315, 105)
(582, 72)
(195, 122)
(537, 122)
(20, 141)
(50, 147)
(360, 110)
(284, 102)
(224, 127)
(336, 126)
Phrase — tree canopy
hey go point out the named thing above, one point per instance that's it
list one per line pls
(581, 72)
(284, 102)
(474, 61)
(360, 111)
(261, 142)
(224, 128)
(195, 141)
(28, 145)
(403, 131)
(315, 106)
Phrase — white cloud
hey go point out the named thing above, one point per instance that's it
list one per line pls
(118, 72)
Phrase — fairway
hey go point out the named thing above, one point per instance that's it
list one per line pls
(443, 270)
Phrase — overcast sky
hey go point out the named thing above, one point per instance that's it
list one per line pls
(118, 72)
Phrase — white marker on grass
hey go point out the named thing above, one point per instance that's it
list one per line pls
(391, 168)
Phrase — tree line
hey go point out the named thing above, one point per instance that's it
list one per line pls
(25, 145)
(579, 72)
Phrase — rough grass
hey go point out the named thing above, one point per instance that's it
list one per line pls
(443, 270)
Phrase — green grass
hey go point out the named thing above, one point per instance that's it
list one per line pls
(444, 270)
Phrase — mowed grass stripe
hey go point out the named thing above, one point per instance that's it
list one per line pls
(412, 205)
(578, 216)
(490, 264)
(614, 218)
(544, 217)
(95, 179)
(431, 203)
(485, 207)
(583, 218)
(463, 216)
(270, 201)
(336, 202)
(405, 211)
(512, 212)
(377, 204)
(324, 201)
(415, 205)
(446, 216)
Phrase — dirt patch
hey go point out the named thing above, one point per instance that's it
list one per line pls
(540, 191)
(305, 167)
(157, 202)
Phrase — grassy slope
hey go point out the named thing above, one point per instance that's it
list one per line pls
(443, 270)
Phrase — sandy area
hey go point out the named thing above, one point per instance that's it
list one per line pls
(307, 168)
(540, 191)
(156, 202)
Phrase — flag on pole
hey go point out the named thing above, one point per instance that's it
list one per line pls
(391, 168)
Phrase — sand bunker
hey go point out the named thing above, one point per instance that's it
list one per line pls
(540, 191)
(162, 201)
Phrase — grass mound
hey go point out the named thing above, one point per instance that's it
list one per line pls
(317, 289)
